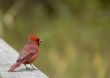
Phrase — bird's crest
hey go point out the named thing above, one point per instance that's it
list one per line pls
(33, 37)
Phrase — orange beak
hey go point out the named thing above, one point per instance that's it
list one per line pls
(40, 41)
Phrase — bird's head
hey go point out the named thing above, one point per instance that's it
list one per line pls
(34, 39)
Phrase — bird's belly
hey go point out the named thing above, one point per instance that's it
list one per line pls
(31, 60)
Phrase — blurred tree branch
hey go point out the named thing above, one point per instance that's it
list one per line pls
(10, 15)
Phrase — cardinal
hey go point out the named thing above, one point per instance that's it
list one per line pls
(29, 53)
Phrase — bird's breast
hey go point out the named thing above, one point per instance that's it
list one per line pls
(34, 57)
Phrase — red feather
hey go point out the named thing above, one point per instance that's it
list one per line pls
(33, 37)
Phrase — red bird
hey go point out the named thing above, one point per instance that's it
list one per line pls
(29, 53)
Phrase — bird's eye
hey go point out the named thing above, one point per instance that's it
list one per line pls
(38, 40)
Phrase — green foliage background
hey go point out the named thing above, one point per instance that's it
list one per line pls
(75, 34)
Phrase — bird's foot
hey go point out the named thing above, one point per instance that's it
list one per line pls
(33, 67)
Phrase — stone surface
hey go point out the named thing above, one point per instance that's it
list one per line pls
(8, 56)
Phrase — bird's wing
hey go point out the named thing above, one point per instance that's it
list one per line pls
(26, 55)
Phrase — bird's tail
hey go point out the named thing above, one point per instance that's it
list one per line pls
(14, 66)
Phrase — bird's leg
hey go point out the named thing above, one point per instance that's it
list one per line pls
(26, 66)
(33, 67)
